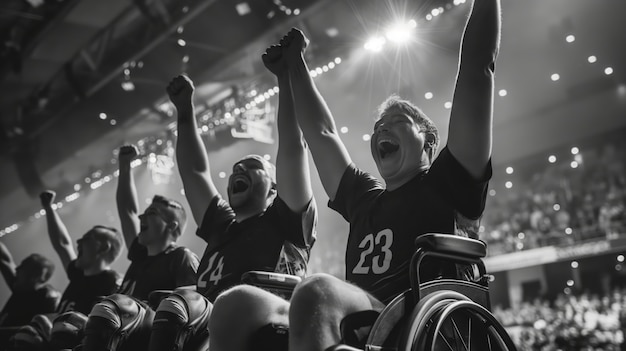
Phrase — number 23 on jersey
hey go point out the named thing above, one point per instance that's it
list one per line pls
(375, 254)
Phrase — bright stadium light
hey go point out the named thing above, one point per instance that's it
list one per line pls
(400, 32)
(374, 44)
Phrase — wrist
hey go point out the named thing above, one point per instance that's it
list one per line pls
(297, 64)
(184, 107)
(283, 76)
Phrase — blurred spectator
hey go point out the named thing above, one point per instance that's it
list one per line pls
(561, 203)
(573, 323)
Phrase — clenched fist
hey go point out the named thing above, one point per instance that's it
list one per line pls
(294, 44)
(47, 198)
(180, 91)
(127, 153)
(274, 60)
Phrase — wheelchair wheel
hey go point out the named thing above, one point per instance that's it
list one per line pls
(459, 325)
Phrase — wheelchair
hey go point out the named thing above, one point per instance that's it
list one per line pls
(441, 314)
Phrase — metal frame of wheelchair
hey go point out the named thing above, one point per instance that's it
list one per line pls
(423, 317)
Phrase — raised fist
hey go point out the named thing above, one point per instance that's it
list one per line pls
(127, 153)
(273, 59)
(294, 43)
(47, 198)
(180, 90)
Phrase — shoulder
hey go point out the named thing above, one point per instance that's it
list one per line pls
(183, 253)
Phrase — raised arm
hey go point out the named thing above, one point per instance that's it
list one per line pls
(315, 119)
(471, 118)
(292, 165)
(59, 236)
(126, 195)
(7, 265)
(191, 155)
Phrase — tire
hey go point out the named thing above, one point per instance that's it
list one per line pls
(458, 325)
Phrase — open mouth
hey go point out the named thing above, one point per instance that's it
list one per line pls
(387, 147)
(240, 185)
(143, 226)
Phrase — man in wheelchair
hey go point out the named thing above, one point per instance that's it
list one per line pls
(421, 193)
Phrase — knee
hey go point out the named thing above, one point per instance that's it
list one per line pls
(181, 322)
(184, 307)
(316, 292)
(67, 330)
(117, 320)
(240, 311)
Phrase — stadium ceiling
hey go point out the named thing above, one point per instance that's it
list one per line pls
(66, 68)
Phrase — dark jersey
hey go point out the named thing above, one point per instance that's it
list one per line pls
(278, 240)
(24, 305)
(384, 224)
(168, 270)
(85, 291)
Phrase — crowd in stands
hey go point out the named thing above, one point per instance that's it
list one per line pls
(557, 204)
(571, 322)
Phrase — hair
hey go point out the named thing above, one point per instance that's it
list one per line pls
(111, 236)
(44, 265)
(175, 212)
(270, 168)
(394, 102)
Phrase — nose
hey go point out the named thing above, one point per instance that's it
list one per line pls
(380, 127)
(239, 168)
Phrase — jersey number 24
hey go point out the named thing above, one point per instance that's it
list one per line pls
(211, 273)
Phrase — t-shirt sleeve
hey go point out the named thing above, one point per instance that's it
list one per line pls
(186, 268)
(354, 189)
(137, 252)
(218, 216)
(299, 227)
(458, 187)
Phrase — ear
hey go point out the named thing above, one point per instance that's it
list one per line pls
(272, 191)
(429, 144)
(173, 225)
(104, 247)
(42, 277)
(430, 139)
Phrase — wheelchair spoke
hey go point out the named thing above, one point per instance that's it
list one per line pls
(469, 335)
(446, 341)
(458, 332)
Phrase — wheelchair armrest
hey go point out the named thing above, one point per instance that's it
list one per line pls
(452, 244)
(342, 347)
(271, 280)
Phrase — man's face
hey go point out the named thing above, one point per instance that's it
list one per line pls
(28, 275)
(397, 144)
(153, 223)
(249, 185)
(89, 250)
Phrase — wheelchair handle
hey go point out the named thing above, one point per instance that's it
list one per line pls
(454, 249)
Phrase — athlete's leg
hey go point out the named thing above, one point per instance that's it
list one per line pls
(318, 306)
(181, 320)
(118, 323)
(247, 314)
